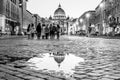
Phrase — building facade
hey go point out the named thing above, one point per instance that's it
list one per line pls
(14, 16)
(86, 20)
(37, 19)
(104, 10)
(10, 13)
(61, 19)
(73, 27)
(27, 19)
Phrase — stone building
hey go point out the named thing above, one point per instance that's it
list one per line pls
(61, 19)
(27, 17)
(87, 19)
(10, 14)
(37, 19)
(105, 9)
(14, 16)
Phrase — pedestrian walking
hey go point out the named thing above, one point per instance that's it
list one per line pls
(89, 31)
(38, 30)
(43, 31)
(32, 31)
(52, 31)
(0, 31)
(28, 31)
(47, 31)
(50, 28)
(58, 31)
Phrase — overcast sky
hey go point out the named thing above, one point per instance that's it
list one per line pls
(72, 8)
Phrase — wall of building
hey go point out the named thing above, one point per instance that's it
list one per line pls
(9, 15)
(37, 19)
(27, 19)
(110, 7)
(87, 21)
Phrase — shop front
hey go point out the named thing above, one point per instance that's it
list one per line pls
(11, 27)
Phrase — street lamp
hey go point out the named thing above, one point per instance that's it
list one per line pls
(87, 22)
(81, 20)
(87, 18)
(103, 16)
(21, 6)
(101, 5)
(88, 15)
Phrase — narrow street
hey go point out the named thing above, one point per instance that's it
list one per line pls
(101, 58)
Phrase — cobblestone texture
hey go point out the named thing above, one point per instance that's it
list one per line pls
(102, 58)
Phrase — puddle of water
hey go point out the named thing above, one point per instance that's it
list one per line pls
(53, 62)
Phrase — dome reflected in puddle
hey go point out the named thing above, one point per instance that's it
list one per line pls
(56, 62)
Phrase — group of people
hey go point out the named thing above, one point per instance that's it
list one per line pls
(43, 31)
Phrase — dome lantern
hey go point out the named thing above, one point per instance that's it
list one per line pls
(59, 6)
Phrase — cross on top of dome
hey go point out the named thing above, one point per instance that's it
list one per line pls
(59, 6)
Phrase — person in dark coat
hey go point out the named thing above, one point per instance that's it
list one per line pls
(47, 31)
(32, 31)
(28, 31)
(52, 31)
(89, 31)
(43, 31)
(58, 31)
(38, 30)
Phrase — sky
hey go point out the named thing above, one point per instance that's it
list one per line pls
(72, 8)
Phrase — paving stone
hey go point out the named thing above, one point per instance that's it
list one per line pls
(6, 70)
(28, 73)
(86, 79)
(118, 75)
(94, 74)
(112, 76)
(37, 79)
(2, 74)
(21, 75)
(79, 72)
(98, 71)
(10, 77)
(106, 79)
(27, 77)
(79, 76)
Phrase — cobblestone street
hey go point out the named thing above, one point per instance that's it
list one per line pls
(102, 58)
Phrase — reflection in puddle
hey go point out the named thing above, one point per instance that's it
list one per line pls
(55, 62)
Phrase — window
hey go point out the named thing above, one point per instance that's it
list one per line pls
(14, 1)
(7, 9)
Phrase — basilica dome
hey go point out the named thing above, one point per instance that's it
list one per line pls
(59, 13)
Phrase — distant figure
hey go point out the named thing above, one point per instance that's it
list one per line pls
(0, 31)
(52, 31)
(38, 30)
(58, 31)
(47, 31)
(50, 28)
(43, 31)
(32, 31)
(28, 31)
(89, 31)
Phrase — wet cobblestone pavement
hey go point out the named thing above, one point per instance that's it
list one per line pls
(102, 58)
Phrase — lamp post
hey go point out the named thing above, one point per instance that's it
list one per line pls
(87, 22)
(81, 22)
(103, 16)
(102, 13)
(20, 28)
